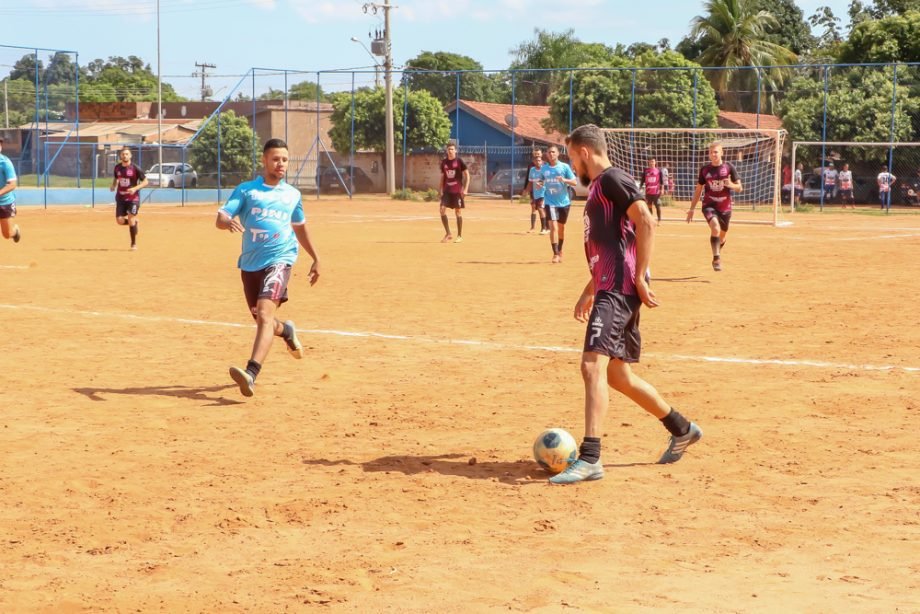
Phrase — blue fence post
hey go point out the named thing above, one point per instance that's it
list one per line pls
(696, 76)
(318, 141)
(824, 135)
(457, 113)
(759, 88)
(76, 71)
(286, 105)
(632, 112)
(512, 122)
(35, 130)
(405, 128)
(219, 133)
(351, 154)
(571, 94)
(254, 146)
(891, 134)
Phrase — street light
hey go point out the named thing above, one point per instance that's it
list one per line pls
(376, 65)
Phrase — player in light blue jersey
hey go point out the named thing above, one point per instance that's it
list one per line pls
(8, 182)
(271, 219)
(534, 186)
(557, 177)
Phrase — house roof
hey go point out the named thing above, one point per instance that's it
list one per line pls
(128, 131)
(734, 119)
(528, 118)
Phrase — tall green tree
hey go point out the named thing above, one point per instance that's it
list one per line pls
(890, 39)
(427, 123)
(237, 148)
(442, 85)
(736, 34)
(550, 50)
(664, 98)
(129, 78)
(307, 90)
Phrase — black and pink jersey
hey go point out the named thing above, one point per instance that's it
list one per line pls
(716, 193)
(127, 177)
(452, 171)
(610, 236)
(652, 180)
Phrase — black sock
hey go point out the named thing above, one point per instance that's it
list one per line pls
(132, 229)
(561, 241)
(676, 424)
(714, 244)
(253, 368)
(590, 450)
(533, 221)
(544, 224)
(446, 224)
(555, 249)
(459, 226)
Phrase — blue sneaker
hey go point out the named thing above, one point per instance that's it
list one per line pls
(579, 471)
(293, 344)
(244, 380)
(679, 445)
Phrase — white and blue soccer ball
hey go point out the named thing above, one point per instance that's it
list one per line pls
(555, 450)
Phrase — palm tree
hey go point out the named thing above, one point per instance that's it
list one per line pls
(733, 35)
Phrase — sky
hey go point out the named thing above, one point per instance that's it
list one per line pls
(315, 35)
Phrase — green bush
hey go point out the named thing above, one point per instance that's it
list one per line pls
(405, 194)
(431, 195)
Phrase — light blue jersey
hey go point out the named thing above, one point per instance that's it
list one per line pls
(266, 213)
(7, 174)
(557, 193)
(536, 181)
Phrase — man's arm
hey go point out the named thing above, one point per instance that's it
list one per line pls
(642, 218)
(9, 187)
(694, 201)
(225, 222)
(466, 181)
(585, 302)
(734, 182)
(303, 237)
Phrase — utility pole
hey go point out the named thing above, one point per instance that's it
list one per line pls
(388, 80)
(203, 73)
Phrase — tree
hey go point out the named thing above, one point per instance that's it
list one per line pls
(858, 107)
(736, 35)
(237, 149)
(61, 69)
(548, 51)
(443, 85)
(129, 78)
(890, 39)
(880, 9)
(25, 68)
(791, 30)
(428, 124)
(664, 98)
(830, 38)
(307, 90)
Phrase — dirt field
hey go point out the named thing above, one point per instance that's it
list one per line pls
(134, 477)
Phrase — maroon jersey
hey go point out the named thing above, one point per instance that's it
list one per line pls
(716, 193)
(127, 177)
(452, 171)
(610, 236)
(652, 181)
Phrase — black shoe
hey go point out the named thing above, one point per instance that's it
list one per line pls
(16, 235)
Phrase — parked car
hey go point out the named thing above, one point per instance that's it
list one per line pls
(501, 184)
(328, 180)
(174, 175)
(865, 190)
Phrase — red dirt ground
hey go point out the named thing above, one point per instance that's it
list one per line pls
(135, 477)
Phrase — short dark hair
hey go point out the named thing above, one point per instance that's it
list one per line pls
(588, 135)
(274, 144)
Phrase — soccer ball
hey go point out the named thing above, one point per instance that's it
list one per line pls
(555, 449)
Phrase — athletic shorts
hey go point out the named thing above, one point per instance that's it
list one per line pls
(724, 217)
(613, 327)
(846, 194)
(270, 283)
(7, 211)
(452, 200)
(652, 199)
(126, 207)
(557, 214)
(536, 203)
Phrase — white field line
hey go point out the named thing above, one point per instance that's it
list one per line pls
(819, 364)
(13, 266)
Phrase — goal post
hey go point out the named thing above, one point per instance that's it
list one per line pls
(866, 160)
(755, 153)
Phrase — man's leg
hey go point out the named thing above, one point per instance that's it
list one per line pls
(714, 242)
(6, 228)
(131, 220)
(554, 238)
(447, 235)
(459, 213)
(561, 234)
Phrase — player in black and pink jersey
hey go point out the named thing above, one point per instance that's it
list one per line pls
(653, 180)
(455, 180)
(716, 182)
(127, 181)
(619, 233)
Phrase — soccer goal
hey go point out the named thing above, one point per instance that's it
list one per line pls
(865, 162)
(756, 155)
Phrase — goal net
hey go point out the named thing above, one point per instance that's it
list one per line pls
(755, 154)
(865, 163)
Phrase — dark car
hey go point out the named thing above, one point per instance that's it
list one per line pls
(330, 181)
(501, 184)
(865, 190)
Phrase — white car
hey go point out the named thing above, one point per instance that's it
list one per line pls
(174, 175)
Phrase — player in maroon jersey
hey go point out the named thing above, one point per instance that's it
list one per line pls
(716, 182)
(653, 180)
(127, 181)
(455, 180)
(619, 234)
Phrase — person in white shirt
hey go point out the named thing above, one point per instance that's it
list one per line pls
(845, 187)
(885, 182)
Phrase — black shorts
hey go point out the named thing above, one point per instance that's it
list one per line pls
(613, 327)
(652, 199)
(724, 217)
(846, 194)
(536, 203)
(270, 283)
(126, 207)
(452, 200)
(557, 214)
(7, 211)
